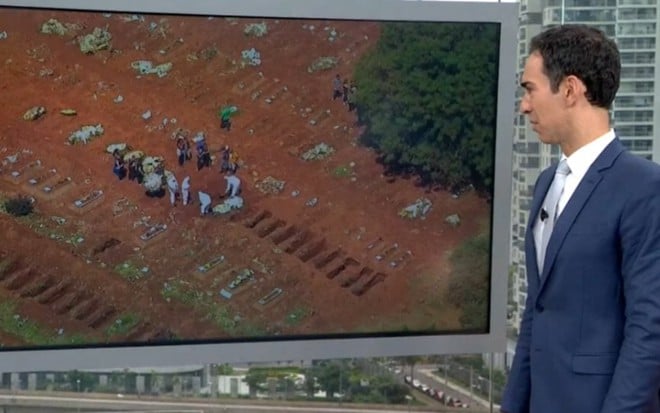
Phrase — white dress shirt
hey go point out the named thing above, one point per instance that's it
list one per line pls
(579, 163)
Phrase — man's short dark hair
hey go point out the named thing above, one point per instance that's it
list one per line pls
(584, 52)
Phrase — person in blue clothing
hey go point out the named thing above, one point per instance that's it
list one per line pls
(119, 166)
(203, 155)
(589, 339)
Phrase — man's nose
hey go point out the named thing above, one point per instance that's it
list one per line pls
(525, 107)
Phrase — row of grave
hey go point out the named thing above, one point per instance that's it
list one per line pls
(22, 175)
(266, 91)
(30, 174)
(46, 182)
(63, 298)
(314, 249)
(239, 279)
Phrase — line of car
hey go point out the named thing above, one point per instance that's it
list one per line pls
(439, 395)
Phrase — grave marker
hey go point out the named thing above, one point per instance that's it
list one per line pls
(17, 173)
(249, 83)
(276, 292)
(153, 231)
(57, 186)
(319, 118)
(211, 264)
(35, 180)
(88, 198)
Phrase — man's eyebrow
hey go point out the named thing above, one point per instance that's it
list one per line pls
(525, 84)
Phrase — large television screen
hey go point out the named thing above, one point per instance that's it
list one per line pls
(252, 180)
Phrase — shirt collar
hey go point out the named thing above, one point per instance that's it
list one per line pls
(581, 160)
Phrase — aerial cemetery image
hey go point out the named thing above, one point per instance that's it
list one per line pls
(172, 177)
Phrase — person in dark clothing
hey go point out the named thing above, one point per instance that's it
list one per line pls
(225, 118)
(119, 168)
(135, 171)
(351, 96)
(225, 159)
(225, 123)
(183, 152)
(336, 87)
(203, 155)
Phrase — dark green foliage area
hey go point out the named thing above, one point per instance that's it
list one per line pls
(19, 206)
(469, 284)
(341, 380)
(427, 95)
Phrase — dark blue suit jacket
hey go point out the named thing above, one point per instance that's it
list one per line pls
(590, 333)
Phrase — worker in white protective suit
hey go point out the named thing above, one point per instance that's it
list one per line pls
(205, 203)
(173, 187)
(185, 191)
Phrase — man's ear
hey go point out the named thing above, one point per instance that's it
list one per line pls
(573, 90)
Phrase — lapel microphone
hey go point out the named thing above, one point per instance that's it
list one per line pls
(544, 214)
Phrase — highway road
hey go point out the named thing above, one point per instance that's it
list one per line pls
(425, 374)
(24, 403)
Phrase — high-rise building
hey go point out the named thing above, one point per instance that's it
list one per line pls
(633, 24)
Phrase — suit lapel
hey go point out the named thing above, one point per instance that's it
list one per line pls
(542, 187)
(576, 204)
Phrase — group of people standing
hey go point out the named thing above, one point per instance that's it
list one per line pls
(134, 170)
(184, 150)
(228, 165)
(344, 90)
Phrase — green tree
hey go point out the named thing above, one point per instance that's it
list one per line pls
(469, 283)
(394, 393)
(80, 381)
(329, 378)
(255, 379)
(223, 369)
(310, 382)
(411, 361)
(427, 96)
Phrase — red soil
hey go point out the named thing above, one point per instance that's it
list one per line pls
(349, 216)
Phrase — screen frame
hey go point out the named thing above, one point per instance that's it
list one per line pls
(308, 349)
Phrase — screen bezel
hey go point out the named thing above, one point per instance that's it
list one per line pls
(264, 351)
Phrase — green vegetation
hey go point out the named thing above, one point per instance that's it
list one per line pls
(204, 302)
(465, 369)
(427, 96)
(469, 285)
(122, 325)
(18, 206)
(296, 316)
(31, 332)
(355, 382)
(130, 271)
(183, 292)
(5, 264)
(257, 377)
(342, 171)
(224, 369)
(47, 227)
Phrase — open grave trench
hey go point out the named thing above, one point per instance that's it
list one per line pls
(295, 240)
(65, 299)
(57, 294)
(314, 250)
(357, 272)
(59, 298)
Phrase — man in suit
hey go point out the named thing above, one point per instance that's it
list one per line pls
(590, 334)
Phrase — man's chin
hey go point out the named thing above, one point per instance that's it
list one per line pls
(545, 138)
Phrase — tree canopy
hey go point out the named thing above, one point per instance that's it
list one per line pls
(427, 95)
(469, 286)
